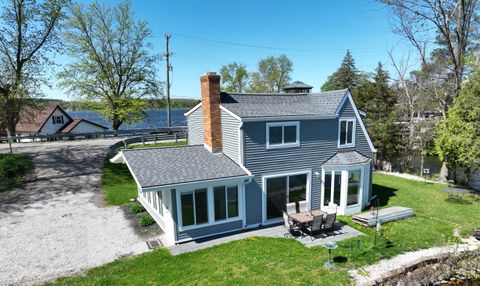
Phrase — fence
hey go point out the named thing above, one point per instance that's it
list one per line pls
(154, 134)
(150, 138)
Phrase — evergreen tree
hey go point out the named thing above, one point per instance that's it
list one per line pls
(379, 104)
(347, 75)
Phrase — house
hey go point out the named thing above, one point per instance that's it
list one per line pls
(250, 154)
(54, 120)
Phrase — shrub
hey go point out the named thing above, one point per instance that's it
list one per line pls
(12, 169)
(136, 208)
(146, 220)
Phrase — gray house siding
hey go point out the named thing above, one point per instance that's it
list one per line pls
(318, 142)
(195, 127)
(230, 136)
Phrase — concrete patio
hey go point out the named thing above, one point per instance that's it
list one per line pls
(340, 232)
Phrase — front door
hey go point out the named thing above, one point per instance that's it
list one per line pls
(281, 190)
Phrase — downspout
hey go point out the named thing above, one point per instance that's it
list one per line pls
(241, 162)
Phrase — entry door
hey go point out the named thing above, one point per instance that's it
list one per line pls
(332, 187)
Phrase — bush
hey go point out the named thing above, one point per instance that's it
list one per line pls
(146, 220)
(136, 208)
(12, 170)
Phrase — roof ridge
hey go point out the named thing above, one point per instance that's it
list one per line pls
(166, 147)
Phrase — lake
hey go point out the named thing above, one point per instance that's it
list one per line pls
(154, 119)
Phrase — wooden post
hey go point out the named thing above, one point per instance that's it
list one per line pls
(176, 137)
(124, 144)
(154, 138)
(143, 140)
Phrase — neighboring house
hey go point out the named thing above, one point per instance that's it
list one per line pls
(54, 120)
(250, 154)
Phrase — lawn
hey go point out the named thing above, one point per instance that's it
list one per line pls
(13, 169)
(118, 183)
(286, 261)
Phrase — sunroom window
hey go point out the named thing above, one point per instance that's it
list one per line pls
(283, 134)
(353, 187)
(194, 207)
(226, 202)
(347, 133)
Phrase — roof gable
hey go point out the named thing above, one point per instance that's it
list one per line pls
(33, 121)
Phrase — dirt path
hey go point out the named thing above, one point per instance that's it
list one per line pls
(56, 223)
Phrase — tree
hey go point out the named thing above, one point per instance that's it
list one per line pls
(381, 115)
(112, 65)
(272, 75)
(28, 35)
(458, 136)
(453, 24)
(235, 77)
(346, 76)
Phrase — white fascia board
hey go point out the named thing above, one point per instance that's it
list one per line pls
(360, 121)
(229, 112)
(197, 184)
(193, 109)
(117, 159)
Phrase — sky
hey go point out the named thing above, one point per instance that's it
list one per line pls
(314, 34)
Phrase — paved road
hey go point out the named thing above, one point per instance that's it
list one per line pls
(56, 224)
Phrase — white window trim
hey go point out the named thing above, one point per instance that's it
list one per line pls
(283, 124)
(347, 145)
(344, 186)
(227, 219)
(308, 172)
(211, 207)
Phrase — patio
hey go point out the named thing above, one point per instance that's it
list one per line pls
(340, 232)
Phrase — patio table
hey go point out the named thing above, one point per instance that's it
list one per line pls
(305, 217)
(456, 192)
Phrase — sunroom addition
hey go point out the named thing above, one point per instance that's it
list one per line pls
(345, 182)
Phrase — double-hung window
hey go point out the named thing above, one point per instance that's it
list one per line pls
(226, 202)
(57, 119)
(346, 136)
(194, 206)
(283, 134)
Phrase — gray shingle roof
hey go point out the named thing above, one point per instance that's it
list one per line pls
(175, 165)
(297, 84)
(347, 158)
(249, 105)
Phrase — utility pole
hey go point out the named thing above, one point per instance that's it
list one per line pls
(167, 55)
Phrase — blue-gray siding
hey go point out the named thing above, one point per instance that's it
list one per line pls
(202, 231)
(195, 127)
(318, 142)
(230, 136)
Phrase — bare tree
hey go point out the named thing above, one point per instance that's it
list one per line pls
(448, 23)
(28, 36)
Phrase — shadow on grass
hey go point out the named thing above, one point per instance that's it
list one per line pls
(340, 259)
(458, 201)
(384, 193)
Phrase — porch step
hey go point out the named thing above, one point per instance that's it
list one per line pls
(386, 215)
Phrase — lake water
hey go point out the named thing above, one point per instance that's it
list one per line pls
(154, 118)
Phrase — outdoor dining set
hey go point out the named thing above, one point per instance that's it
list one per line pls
(307, 222)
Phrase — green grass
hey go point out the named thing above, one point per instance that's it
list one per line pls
(118, 184)
(285, 261)
(13, 169)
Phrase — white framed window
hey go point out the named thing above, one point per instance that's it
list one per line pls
(346, 132)
(160, 203)
(194, 206)
(283, 134)
(226, 204)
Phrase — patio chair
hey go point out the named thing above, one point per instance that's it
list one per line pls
(290, 225)
(316, 226)
(329, 223)
(303, 206)
(332, 208)
(291, 208)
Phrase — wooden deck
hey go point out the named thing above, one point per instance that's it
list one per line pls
(386, 215)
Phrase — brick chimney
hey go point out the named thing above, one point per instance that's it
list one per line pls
(212, 129)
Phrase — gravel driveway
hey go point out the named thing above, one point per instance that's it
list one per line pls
(56, 223)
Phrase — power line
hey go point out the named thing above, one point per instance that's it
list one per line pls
(266, 47)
